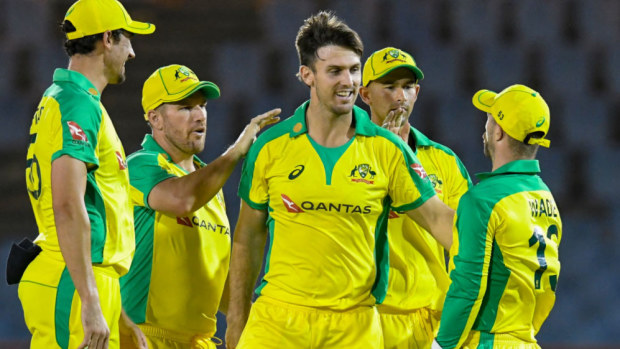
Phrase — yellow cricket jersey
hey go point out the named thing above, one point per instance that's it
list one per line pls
(178, 273)
(328, 210)
(70, 120)
(507, 266)
(418, 277)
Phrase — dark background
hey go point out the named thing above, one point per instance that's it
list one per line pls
(569, 50)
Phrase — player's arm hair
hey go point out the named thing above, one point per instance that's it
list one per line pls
(249, 241)
(436, 217)
(223, 307)
(180, 196)
(73, 225)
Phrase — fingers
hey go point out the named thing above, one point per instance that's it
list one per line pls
(389, 120)
(268, 118)
(139, 339)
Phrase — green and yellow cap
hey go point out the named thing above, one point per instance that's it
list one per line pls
(384, 61)
(173, 83)
(519, 110)
(91, 17)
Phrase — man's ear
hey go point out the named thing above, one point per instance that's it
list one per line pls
(156, 119)
(365, 94)
(306, 75)
(108, 40)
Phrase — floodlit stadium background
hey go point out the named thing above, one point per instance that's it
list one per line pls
(569, 50)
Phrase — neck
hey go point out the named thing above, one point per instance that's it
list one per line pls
(182, 159)
(326, 128)
(91, 66)
(500, 159)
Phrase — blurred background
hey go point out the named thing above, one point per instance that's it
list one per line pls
(569, 50)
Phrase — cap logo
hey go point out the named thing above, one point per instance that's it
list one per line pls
(184, 74)
(395, 54)
(500, 115)
(540, 122)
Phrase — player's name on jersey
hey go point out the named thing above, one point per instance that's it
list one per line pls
(543, 207)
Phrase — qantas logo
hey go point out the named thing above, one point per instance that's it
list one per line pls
(122, 164)
(419, 170)
(323, 206)
(76, 132)
(392, 215)
(290, 205)
(195, 221)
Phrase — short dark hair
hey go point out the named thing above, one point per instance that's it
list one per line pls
(86, 44)
(324, 29)
(522, 150)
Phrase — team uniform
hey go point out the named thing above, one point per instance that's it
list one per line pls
(179, 270)
(418, 279)
(327, 259)
(506, 270)
(70, 120)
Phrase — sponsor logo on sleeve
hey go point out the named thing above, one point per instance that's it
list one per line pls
(76, 132)
(419, 170)
(122, 164)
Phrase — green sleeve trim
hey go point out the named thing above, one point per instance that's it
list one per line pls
(145, 173)
(62, 309)
(495, 290)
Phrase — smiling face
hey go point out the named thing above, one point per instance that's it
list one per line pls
(396, 91)
(115, 58)
(335, 78)
(181, 127)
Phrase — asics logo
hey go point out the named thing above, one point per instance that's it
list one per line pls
(296, 172)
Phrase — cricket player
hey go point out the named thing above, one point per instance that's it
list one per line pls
(322, 183)
(418, 279)
(79, 189)
(179, 271)
(509, 228)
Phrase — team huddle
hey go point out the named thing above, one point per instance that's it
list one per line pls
(376, 236)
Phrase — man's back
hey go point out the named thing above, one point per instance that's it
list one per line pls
(509, 229)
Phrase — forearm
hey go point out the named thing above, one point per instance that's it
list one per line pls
(437, 218)
(244, 270)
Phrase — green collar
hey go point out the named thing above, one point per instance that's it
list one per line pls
(149, 143)
(65, 75)
(419, 139)
(517, 166)
(361, 120)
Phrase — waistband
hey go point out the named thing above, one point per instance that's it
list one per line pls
(197, 341)
(100, 269)
(313, 310)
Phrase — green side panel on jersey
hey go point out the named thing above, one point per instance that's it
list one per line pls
(96, 213)
(495, 290)
(62, 311)
(136, 283)
(145, 172)
(382, 254)
(486, 340)
(329, 156)
(271, 225)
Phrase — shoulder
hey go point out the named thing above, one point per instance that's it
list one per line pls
(282, 129)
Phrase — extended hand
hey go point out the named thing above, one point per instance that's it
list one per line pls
(129, 328)
(248, 136)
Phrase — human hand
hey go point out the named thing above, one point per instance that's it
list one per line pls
(129, 328)
(233, 332)
(248, 136)
(96, 331)
(397, 123)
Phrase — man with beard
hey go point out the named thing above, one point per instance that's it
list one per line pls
(177, 279)
(79, 189)
(509, 228)
(418, 278)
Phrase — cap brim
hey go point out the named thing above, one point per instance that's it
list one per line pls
(484, 100)
(141, 28)
(209, 89)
